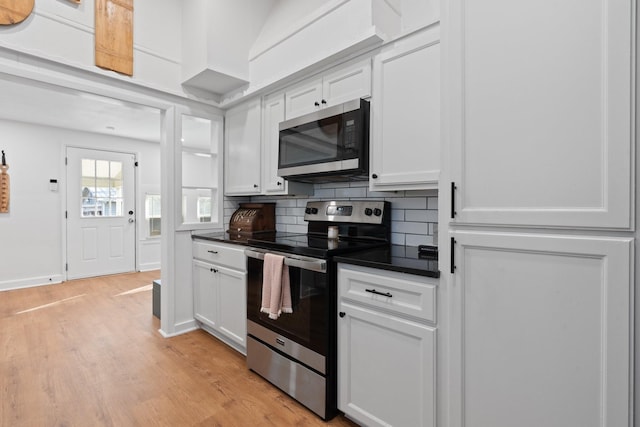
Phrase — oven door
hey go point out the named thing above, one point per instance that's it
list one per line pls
(308, 327)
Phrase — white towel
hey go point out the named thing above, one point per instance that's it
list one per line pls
(276, 290)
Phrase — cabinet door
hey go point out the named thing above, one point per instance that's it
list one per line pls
(205, 293)
(405, 115)
(386, 369)
(303, 98)
(347, 83)
(232, 313)
(540, 331)
(541, 121)
(242, 149)
(273, 114)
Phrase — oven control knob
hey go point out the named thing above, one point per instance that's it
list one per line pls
(377, 211)
(314, 211)
(368, 211)
(307, 210)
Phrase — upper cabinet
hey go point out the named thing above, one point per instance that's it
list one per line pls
(242, 160)
(345, 83)
(251, 150)
(405, 114)
(272, 184)
(541, 120)
(199, 170)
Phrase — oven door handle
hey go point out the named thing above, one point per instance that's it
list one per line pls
(305, 263)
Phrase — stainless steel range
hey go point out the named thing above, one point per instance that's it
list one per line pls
(297, 351)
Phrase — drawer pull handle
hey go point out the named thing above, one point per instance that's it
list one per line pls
(213, 252)
(279, 341)
(384, 294)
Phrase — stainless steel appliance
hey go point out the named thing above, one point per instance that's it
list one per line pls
(297, 351)
(331, 144)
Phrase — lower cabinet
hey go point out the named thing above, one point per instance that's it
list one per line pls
(386, 347)
(220, 297)
(541, 330)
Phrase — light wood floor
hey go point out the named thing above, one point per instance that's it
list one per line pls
(87, 353)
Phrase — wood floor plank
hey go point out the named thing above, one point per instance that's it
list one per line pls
(88, 353)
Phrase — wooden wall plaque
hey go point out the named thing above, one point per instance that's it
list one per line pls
(15, 11)
(114, 35)
(4, 189)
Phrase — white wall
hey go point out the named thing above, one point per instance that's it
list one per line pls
(63, 31)
(31, 237)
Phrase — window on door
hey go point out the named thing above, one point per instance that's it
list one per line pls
(102, 188)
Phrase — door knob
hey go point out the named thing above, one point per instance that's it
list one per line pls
(131, 220)
(130, 212)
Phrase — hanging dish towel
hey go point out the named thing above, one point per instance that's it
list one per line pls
(276, 290)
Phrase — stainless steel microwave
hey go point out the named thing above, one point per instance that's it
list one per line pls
(331, 144)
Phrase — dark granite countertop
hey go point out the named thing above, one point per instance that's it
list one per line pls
(223, 237)
(404, 259)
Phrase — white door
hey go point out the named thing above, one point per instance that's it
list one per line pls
(101, 225)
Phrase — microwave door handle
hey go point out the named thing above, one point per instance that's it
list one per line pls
(318, 265)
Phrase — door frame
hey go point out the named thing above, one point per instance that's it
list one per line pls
(65, 205)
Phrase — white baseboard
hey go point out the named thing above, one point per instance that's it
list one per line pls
(149, 266)
(180, 328)
(30, 282)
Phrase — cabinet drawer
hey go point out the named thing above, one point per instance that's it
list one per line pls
(400, 293)
(226, 255)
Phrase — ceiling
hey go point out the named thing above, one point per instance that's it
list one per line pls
(69, 109)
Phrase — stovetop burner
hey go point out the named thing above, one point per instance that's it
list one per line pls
(314, 245)
(361, 225)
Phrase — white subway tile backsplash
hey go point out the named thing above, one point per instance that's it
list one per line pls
(408, 202)
(414, 214)
(345, 193)
(432, 203)
(296, 228)
(410, 227)
(397, 239)
(418, 239)
(324, 193)
(397, 214)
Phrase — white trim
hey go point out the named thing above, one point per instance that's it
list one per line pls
(149, 266)
(180, 328)
(262, 48)
(30, 282)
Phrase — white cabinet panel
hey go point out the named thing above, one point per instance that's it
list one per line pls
(348, 82)
(242, 159)
(405, 115)
(232, 311)
(304, 98)
(272, 184)
(386, 369)
(541, 331)
(541, 121)
(205, 293)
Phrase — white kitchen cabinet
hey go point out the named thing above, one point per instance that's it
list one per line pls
(405, 114)
(386, 347)
(541, 122)
(541, 330)
(272, 184)
(344, 83)
(220, 282)
(242, 158)
(538, 134)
